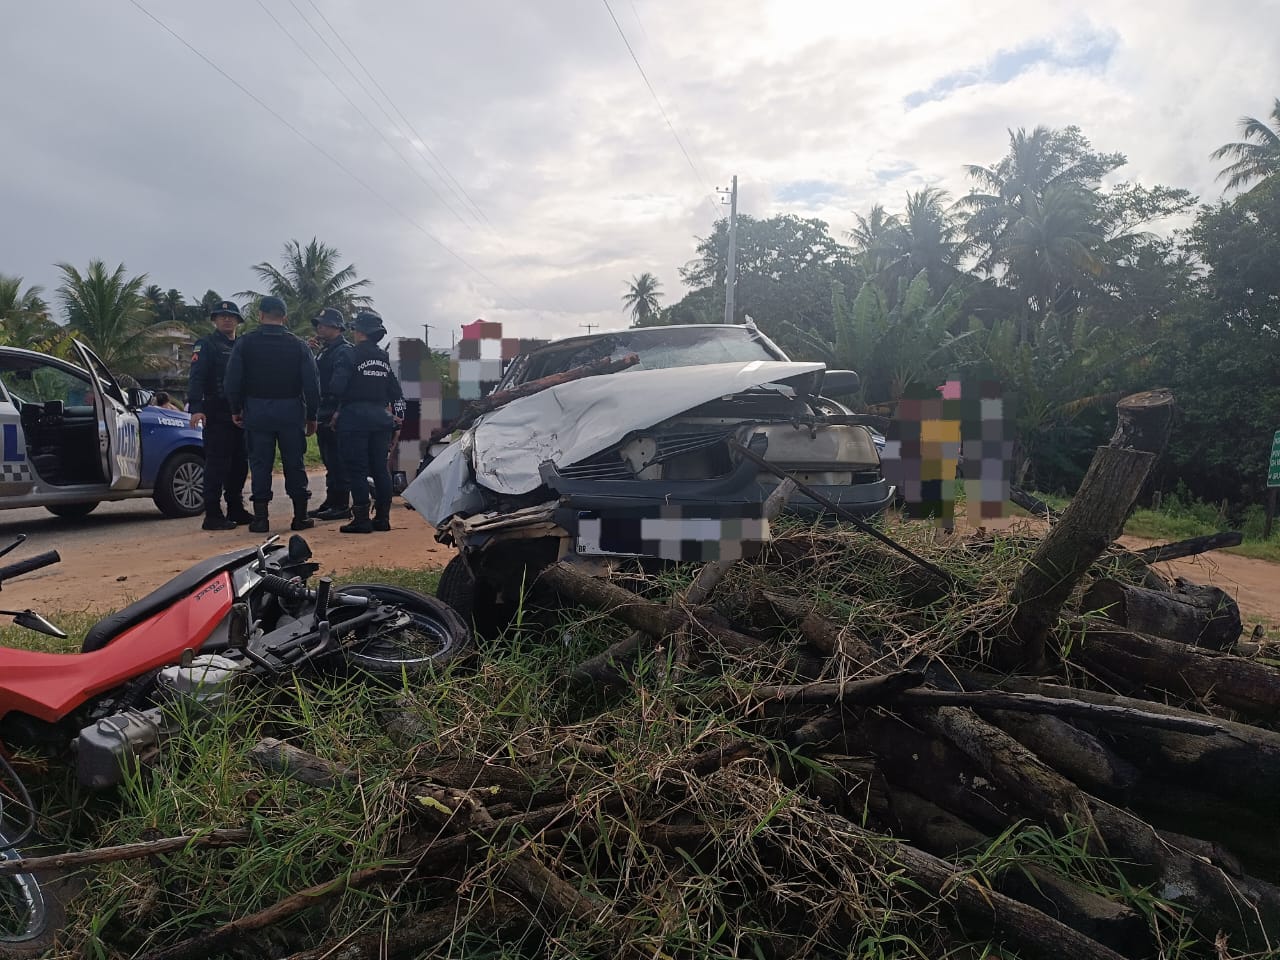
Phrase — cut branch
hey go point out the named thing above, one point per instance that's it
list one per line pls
(1191, 547)
(213, 840)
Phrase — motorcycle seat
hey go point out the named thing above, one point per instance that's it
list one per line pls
(110, 627)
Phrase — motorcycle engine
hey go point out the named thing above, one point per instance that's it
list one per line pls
(207, 679)
(108, 748)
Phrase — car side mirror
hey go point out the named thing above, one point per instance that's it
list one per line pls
(840, 383)
(139, 397)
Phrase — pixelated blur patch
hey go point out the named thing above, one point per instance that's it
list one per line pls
(959, 430)
(692, 534)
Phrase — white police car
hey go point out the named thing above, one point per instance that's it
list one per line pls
(70, 438)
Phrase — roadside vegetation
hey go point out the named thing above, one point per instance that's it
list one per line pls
(616, 759)
(1179, 516)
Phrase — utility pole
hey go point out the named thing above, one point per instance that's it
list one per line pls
(731, 276)
(589, 327)
(426, 335)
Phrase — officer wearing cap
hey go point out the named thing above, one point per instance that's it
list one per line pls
(331, 343)
(274, 391)
(368, 392)
(225, 463)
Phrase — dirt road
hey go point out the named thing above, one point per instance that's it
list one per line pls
(124, 550)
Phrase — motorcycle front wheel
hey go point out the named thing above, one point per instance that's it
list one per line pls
(30, 909)
(426, 636)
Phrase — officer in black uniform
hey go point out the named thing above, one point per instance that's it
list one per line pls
(225, 463)
(331, 343)
(274, 392)
(369, 392)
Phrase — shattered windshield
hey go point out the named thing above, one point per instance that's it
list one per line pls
(658, 348)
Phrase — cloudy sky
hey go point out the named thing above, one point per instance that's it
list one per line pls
(505, 159)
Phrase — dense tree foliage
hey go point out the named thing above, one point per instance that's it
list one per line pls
(1068, 291)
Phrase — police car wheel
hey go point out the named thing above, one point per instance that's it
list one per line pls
(180, 486)
(72, 511)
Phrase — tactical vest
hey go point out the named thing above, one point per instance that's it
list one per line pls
(372, 377)
(272, 364)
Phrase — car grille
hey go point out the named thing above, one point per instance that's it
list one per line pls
(609, 465)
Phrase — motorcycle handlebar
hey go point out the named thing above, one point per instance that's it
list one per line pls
(9, 571)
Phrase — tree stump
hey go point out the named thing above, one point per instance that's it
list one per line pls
(1093, 519)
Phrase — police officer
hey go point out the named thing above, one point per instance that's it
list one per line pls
(274, 391)
(369, 391)
(337, 503)
(225, 463)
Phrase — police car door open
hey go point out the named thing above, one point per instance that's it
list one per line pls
(119, 437)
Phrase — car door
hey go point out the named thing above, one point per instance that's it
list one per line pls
(16, 477)
(119, 435)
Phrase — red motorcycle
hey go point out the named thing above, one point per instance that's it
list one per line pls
(244, 614)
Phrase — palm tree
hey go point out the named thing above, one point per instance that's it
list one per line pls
(154, 298)
(1053, 246)
(173, 304)
(309, 280)
(878, 241)
(1035, 221)
(1035, 162)
(641, 299)
(108, 312)
(1258, 160)
(931, 237)
(24, 316)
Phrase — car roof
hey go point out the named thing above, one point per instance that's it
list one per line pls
(642, 332)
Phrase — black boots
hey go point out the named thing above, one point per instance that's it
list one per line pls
(260, 523)
(324, 505)
(333, 509)
(382, 516)
(300, 519)
(236, 513)
(216, 521)
(360, 523)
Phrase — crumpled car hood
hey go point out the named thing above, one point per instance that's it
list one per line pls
(570, 422)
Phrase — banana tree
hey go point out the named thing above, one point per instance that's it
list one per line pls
(891, 347)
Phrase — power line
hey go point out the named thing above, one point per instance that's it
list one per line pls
(364, 116)
(360, 83)
(417, 137)
(332, 159)
(689, 160)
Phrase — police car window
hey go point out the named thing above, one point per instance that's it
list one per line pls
(40, 384)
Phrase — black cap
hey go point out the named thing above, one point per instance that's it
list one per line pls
(273, 305)
(227, 307)
(329, 317)
(368, 322)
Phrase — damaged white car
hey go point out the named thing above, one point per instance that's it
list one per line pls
(637, 463)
